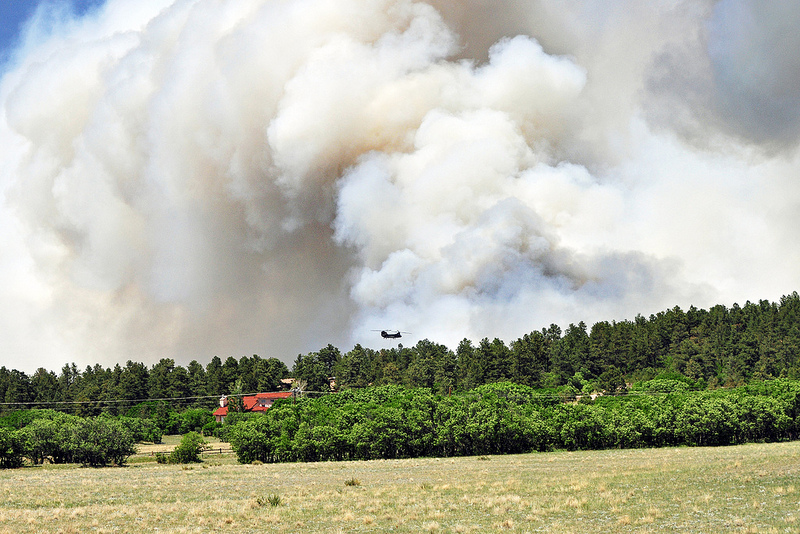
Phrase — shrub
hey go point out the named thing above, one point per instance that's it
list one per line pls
(10, 448)
(272, 499)
(143, 429)
(255, 439)
(210, 429)
(160, 413)
(98, 442)
(40, 440)
(505, 418)
(194, 420)
(192, 444)
(153, 435)
(663, 385)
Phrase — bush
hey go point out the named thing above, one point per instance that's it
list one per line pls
(253, 440)
(61, 438)
(501, 418)
(10, 448)
(166, 420)
(210, 429)
(662, 385)
(22, 418)
(194, 419)
(41, 441)
(98, 442)
(142, 429)
(153, 435)
(192, 444)
(273, 499)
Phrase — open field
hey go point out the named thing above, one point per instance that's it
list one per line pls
(748, 488)
(168, 444)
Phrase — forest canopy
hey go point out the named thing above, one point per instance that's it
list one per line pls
(697, 377)
(721, 346)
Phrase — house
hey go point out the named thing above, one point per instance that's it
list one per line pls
(287, 383)
(260, 402)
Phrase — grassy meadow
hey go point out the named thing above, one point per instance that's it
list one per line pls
(748, 488)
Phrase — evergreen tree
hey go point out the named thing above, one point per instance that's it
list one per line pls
(45, 385)
(197, 379)
(215, 381)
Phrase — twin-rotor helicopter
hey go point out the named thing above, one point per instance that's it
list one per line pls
(391, 334)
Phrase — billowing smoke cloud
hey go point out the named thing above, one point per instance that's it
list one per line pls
(184, 178)
(737, 73)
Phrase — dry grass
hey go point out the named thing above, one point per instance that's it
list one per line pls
(168, 444)
(750, 488)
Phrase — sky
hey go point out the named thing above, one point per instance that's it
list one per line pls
(14, 15)
(189, 178)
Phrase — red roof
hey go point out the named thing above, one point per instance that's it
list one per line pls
(252, 404)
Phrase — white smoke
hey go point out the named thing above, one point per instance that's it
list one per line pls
(184, 178)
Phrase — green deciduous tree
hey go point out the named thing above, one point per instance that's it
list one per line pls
(11, 448)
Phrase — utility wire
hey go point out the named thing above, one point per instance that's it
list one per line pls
(535, 396)
(107, 401)
(138, 401)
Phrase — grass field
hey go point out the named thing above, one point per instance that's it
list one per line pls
(168, 443)
(749, 488)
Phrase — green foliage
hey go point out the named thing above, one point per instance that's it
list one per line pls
(189, 449)
(315, 368)
(99, 441)
(45, 439)
(164, 418)
(21, 418)
(519, 394)
(661, 385)
(159, 418)
(273, 499)
(193, 420)
(611, 381)
(47, 435)
(143, 429)
(211, 428)
(721, 346)
(673, 356)
(11, 448)
(502, 418)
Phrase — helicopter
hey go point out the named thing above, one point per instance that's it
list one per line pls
(391, 334)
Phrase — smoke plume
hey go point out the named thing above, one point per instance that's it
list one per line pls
(185, 178)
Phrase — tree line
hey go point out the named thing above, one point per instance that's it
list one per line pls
(395, 422)
(717, 347)
(46, 435)
(97, 390)
(537, 393)
(61, 438)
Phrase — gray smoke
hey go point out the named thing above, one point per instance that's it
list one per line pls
(184, 178)
(736, 74)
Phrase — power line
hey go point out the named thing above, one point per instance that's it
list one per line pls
(107, 401)
(534, 397)
(115, 401)
(138, 401)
